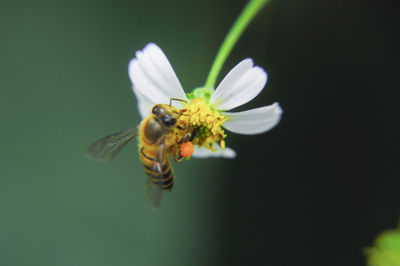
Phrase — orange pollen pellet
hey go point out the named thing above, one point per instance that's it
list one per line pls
(186, 149)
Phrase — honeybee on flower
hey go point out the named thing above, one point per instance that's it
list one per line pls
(154, 81)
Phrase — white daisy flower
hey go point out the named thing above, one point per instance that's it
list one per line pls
(154, 82)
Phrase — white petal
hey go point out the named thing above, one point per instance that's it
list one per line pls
(254, 121)
(144, 104)
(231, 78)
(202, 152)
(152, 75)
(241, 84)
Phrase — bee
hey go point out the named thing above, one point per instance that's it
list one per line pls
(160, 134)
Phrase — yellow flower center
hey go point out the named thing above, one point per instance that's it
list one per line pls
(208, 122)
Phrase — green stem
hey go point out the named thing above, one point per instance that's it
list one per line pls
(237, 29)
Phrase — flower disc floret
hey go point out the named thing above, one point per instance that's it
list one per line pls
(207, 121)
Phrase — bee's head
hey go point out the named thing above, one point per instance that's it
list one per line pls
(165, 114)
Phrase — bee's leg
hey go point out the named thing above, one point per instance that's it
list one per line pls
(194, 133)
(185, 138)
(180, 127)
(189, 136)
(177, 155)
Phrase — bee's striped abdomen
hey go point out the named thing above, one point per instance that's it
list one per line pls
(166, 182)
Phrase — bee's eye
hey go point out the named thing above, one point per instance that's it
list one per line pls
(155, 110)
(168, 121)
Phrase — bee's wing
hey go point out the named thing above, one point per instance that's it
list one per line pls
(153, 192)
(107, 148)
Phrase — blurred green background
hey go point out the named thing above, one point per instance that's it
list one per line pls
(310, 192)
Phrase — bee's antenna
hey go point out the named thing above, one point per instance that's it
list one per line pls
(176, 99)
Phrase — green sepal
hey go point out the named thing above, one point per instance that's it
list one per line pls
(201, 92)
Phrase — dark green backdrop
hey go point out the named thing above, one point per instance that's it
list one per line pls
(310, 192)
